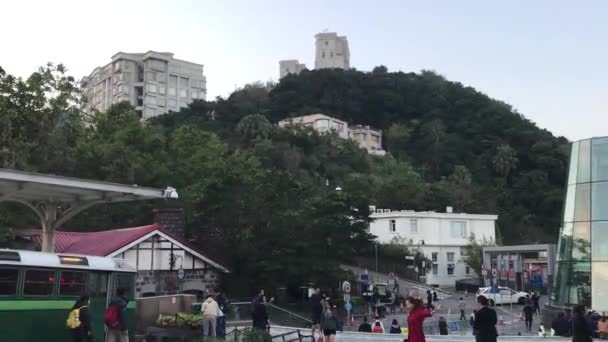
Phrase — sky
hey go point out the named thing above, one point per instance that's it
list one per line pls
(547, 58)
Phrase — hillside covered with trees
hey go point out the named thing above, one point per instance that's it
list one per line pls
(263, 198)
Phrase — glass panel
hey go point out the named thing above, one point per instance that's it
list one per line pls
(561, 291)
(599, 201)
(125, 281)
(600, 286)
(584, 162)
(599, 159)
(580, 283)
(573, 164)
(565, 243)
(569, 204)
(582, 208)
(72, 283)
(599, 243)
(8, 281)
(581, 242)
(38, 283)
(102, 284)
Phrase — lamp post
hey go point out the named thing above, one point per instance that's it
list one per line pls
(376, 250)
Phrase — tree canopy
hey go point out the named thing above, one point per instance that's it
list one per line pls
(264, 199)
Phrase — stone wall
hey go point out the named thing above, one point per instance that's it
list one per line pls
(160, 283)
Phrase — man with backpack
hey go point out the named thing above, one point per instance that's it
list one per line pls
(116, 318)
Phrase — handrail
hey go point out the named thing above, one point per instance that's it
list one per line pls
(289, 312)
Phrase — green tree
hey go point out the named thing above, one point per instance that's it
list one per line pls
(254, 126)
(473, 253)
(505, 161)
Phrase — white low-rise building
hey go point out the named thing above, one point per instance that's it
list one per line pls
(441, 237)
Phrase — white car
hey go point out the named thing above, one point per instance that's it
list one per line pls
(503, 295)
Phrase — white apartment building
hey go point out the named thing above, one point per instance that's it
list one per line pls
(331, 51)
(441, 237)
(291, 66)
(367, 138)
(153, 82)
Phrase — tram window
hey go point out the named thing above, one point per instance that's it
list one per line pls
(125, 281)
(38, 283)
(72, 283)
(8, 281)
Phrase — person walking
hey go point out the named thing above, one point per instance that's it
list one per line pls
(461, 306)
(209, 311)
(536, 302)
(316, 309)
(472, 322)
(393, 300)
(330, 323)
(415, 318)
(79, 320)
(260, 315)
(580, 328)
(429, 300)
(528, 314)
(435, 298)
(222, 304)
(485, 322)
(443, 326)
(395, 328)
(116, 317)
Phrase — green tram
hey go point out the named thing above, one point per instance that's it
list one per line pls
(38, 290)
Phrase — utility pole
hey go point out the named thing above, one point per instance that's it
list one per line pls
(376, 248)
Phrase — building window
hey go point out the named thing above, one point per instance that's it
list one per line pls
(338, 126)
(434, 256)
(172, 85)
(8, 282)
(152, 88)
(161, 101)
(450, 269)
(467, 270)
(156, 65)
(458, 229)
(72, 283)
(151, 100)
(172, 103)
(323, 53)
(38, 283)
(123, 88)
(414, 226)
(450, 256)
(326, 43)
(435, 269)
(392, 226)
(161, 89)
(331, 54)
(322, 123)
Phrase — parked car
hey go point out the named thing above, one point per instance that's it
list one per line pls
(502, 295)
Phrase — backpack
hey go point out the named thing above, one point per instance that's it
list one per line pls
(73, 321)
(112, 316)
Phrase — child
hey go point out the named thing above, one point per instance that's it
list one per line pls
(443, 326)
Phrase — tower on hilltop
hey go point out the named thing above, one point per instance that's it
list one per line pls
(331, 51)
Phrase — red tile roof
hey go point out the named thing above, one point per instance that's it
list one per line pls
(100, 243)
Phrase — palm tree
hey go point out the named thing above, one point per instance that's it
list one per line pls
(254, 126)
(505, 161)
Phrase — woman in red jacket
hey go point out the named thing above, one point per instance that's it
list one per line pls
(415, 332)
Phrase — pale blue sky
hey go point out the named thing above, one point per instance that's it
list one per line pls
(546, 58)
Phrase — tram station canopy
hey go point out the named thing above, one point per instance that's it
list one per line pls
(56, 199)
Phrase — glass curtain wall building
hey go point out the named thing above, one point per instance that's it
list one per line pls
(582, 267)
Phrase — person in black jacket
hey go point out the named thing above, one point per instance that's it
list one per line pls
(528, 314)
(84, 331)
(429, 300)
(561, 326)
(580, 328)
(260, 315)
(395, 327)
(443, 326)
(365, 326)
(485, 322)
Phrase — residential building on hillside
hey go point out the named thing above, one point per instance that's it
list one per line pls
(320, 123)
(368, 138)
(153, 82)
(331, 51)
(441, 237)
(291, 66)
